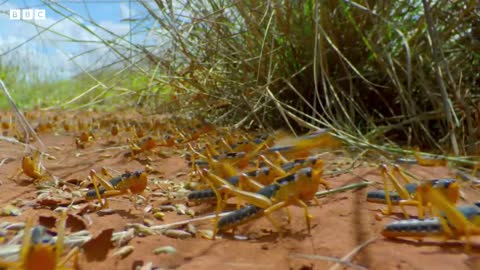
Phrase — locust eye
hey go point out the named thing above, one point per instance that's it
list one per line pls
(39, 235)
(306, 171)
(449, 182)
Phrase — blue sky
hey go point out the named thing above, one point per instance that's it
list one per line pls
(50, 53)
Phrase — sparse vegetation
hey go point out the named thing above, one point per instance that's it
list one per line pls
(399, 72)
(169, 148)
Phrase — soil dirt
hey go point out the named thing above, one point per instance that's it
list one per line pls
(342, 222)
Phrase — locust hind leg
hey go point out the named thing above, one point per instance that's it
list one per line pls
(219, 207)
(389, 209)
(27, 241)
(280, 158)
(73, 253)
(94, 177)
(132, 197)
(245, 182)
(308, 217)
(60, 235)
(399, 188)
(289, 215)
(274, 208)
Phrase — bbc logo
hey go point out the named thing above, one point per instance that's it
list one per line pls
(27, 14)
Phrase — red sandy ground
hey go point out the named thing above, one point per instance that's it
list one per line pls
(344, 221)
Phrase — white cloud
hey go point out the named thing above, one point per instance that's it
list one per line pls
(126, 12)
(53, 52)
(52, 49)
(119, 29)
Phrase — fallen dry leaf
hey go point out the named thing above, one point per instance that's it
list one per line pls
(48, 201)
(47, 221)
(75, 223)
(96, 249)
